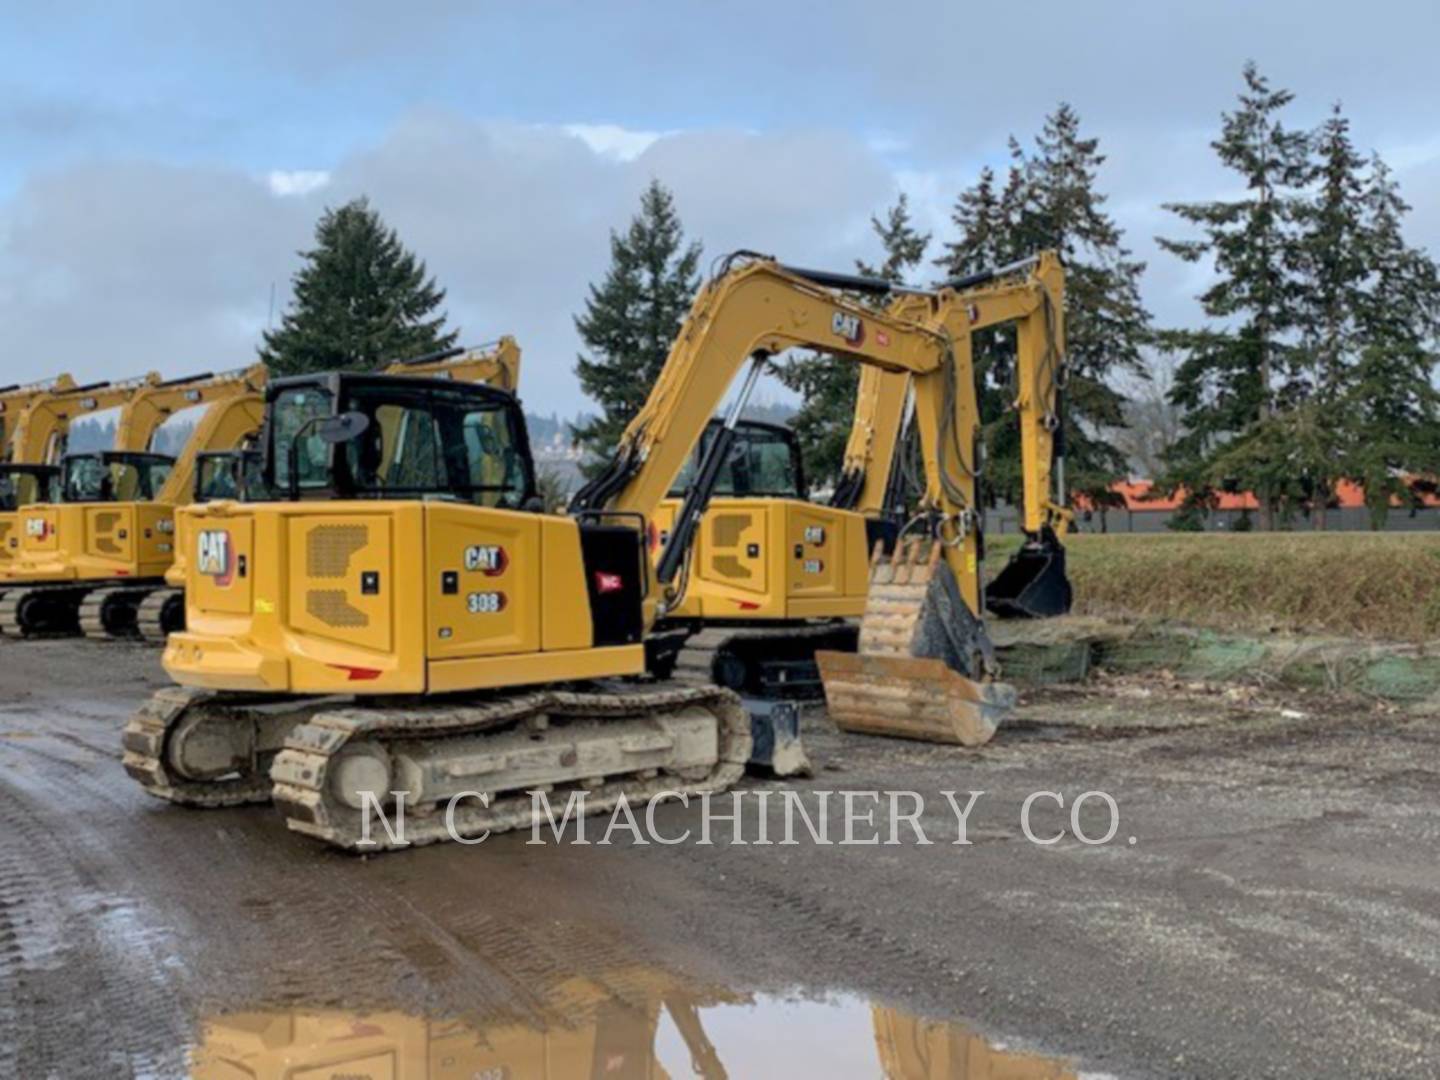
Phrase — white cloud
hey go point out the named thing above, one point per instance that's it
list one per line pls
(614, 141)
(285, 182)
(110, 268)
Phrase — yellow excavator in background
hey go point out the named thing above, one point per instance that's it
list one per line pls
(87, 561)
(22, 482)
(772, 576)
(17, 397)
(404, 554)
(36, 423)
(907, 636)
(235, 474)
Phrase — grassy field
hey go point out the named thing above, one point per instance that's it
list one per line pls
(1380, 585)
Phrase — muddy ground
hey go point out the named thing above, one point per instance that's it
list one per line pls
(1278, 913)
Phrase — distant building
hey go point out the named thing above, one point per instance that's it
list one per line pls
(1144, 511)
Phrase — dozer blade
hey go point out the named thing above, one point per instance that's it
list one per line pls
(1033, 584)
(922, 652)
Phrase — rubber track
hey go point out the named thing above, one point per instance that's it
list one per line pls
(148, 619)
(300, 771)
(11, 599)
(92, 609)
(144, 739)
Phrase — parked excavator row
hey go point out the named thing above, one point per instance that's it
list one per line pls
(35, 422)
(96, 559)
(400, 616)
(88, 561)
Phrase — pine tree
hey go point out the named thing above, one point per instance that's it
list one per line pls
(1334, 264)
(361, 300)
(1050, 200)
(1390, 409)
(1236, 371)
(632, 317)
(827, 386)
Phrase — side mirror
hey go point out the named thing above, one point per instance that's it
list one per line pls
(343, 428)
(332, 430)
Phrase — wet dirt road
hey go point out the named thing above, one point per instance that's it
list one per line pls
(1277, 915)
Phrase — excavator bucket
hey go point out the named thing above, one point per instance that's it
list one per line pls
(1033, 584)
(922, 653)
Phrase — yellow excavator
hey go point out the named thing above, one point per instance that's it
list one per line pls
(22, 481)
(908, 636)
(88, 560)
(235, 474)
(402, 616)
(772, 576)
(36, 425)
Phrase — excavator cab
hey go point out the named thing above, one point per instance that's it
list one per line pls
(106, 476)
(22, 485)
(763, 462)
(229, 474)
(349, 436)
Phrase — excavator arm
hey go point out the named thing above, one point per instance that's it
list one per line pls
(1030, 295)
(234, 404)
(40, 430)
(868, 471)
(16, 400)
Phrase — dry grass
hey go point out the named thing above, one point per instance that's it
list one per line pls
(1378, 585)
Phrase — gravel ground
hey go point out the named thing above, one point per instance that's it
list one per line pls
(1277, 914)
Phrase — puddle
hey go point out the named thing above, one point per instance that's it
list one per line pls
(634, 1024)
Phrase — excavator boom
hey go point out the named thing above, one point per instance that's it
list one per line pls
(15, 400)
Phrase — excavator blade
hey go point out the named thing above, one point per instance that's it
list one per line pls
(922, 651)
(1033, 584)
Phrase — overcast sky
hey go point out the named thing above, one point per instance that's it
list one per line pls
(161, 165)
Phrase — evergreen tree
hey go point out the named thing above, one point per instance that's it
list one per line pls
(1237, 370)
(632, 317)
(827, 386)
(1390, 408)
(1334, 264)
(361, 300)
(1050, 200)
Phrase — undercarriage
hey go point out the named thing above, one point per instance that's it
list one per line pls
(452, 769)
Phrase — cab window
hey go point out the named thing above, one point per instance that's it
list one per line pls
(296, 412)
(438, 441)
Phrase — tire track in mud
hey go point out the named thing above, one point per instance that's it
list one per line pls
(91, 977)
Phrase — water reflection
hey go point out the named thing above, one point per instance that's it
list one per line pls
(637, 1024)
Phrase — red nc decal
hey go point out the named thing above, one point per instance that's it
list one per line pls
(608, 583)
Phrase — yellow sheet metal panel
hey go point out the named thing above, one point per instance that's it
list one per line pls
(10, 530)
(482, 582)
(108, 531)
(154, 539)
(815, 537)
(734, 556)
(565, 621)
(223, 556)
(536, 668)
(343, 578)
